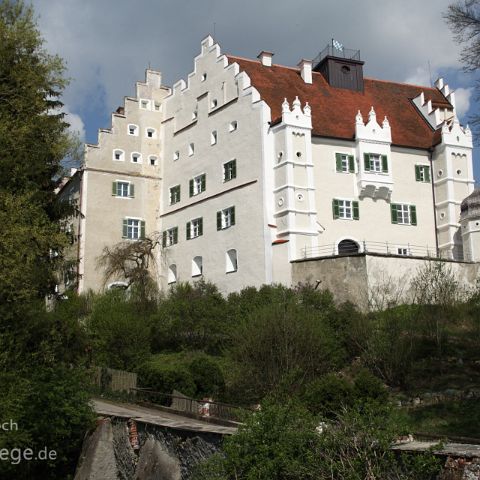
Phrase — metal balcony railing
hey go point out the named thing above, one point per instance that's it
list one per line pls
(384, 248)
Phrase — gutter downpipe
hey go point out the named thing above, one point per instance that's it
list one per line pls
(430, 158)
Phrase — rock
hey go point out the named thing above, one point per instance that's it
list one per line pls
(97, 460)
(155, 463)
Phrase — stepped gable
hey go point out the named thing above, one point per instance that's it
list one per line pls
(334, 109)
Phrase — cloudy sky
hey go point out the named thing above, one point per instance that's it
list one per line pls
(107, 44)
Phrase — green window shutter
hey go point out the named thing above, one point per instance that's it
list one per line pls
(125, 228)
(356, 212)
(393, 211)
(191, 187)
(417, 173)
(164, 239)
(114, 188)
(427, 174)
(413, 215)
(132, 190)
(384, 164)
(204, 182)
(335, 208)
(142, 229)
(232, 216)
(366, 161)
(338, 161)
(351, 164)
(234, 169)
(188, 231)
(200, 226)
(219, 220)
(175, 235)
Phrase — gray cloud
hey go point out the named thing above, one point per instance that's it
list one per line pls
(109, 43)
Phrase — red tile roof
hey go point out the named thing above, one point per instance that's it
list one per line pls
(334, 109)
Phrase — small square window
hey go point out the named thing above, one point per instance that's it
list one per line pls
(153, 160)
(118, 155)
(404, 251)
(133, 130)
(151, 133)
(157, 106)
(144, 104)
(233, 126)
(136, 158)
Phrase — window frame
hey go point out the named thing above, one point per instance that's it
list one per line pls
(194, 228)
(230, 168)
(173, 193)
(119, 151)
(233, 126)
(344, 162)
(228, 258)
(197, 184)
(339, 205)
(153, 131)
(138, 155)
(226, 218)
(408, 211)
(136, 130)
(117, 191)
(170, 237)
(422, 173)
(383, 163)
(139, 228)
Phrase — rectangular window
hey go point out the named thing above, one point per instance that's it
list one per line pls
(191, 149)
(375, 163)
(133, 229)
(229, 170)
(403, 251)
(422, 173)
(344, 163)
(225, 218)
(170, 237)
(345, 209)
(194, 228)
(403, 214)
(174, 194)
(123, 189)
(197, 184)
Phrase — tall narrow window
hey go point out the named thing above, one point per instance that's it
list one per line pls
(176, 155)
(191, 149)
(197, 266)
(194, 228)
(170, 237)
(198, 184)
(174, 194)
(229, 170)
(231, 261)
(225, 218)
(172, 274)
(213, 138)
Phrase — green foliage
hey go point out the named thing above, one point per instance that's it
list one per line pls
(194, 374)
(276, 442)
(281, 442)
(120, 335)
(192, 317)
(284, 340)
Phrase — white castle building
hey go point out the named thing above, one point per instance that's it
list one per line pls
(258, 173)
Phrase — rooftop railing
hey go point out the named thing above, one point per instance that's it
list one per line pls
(331, 51)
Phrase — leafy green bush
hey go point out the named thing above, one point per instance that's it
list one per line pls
(368, 387)
(328, 395)
(194, 374)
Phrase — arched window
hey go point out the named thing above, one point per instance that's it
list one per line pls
(151, 133)
(347, 247)
(231, 261)
(172, 274)
(197, 266)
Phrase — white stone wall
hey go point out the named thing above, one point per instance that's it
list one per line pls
(219, 96)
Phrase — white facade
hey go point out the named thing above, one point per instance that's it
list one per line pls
(240, 184)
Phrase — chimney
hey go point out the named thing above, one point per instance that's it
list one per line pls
(305, 70)
(265, 58)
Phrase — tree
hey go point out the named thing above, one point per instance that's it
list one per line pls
(463, 18)
(133, 262)
(42, 353)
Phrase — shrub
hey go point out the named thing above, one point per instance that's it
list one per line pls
(328, 395)
(368, 387)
